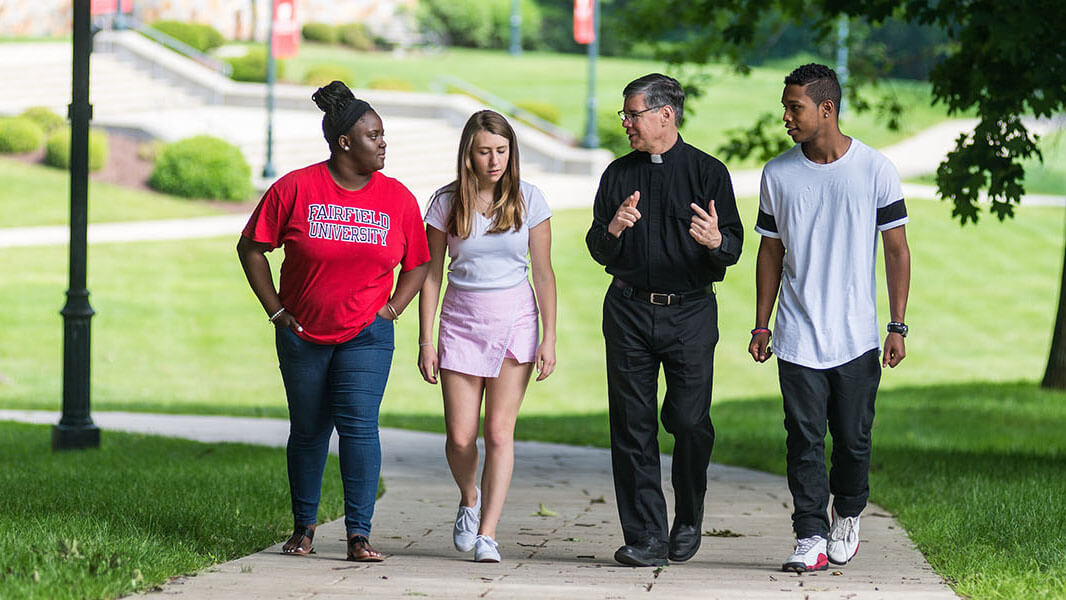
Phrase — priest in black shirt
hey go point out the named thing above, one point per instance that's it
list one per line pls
(665, 226)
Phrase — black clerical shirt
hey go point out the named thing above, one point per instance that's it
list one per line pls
(658, 254)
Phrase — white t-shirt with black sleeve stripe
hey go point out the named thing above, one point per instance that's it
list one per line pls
(828, 217)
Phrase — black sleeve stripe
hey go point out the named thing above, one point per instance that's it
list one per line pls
(768, 223)
(891, 213)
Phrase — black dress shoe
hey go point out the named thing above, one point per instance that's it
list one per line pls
(649, 553)
(684, 542)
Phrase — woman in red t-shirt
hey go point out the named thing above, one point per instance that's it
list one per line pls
(345, 228)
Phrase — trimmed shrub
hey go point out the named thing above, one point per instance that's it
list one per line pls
(611, 133)
(545, 110)
(356, 36)
(321, 32)
(253, 66)
(320, 75)
(19, 134)
(202, 37)
(202, 167)
(45, 117)
(391, 83)
(484, 24)
(57, 150)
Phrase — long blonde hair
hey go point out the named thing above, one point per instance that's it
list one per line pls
(507, 208)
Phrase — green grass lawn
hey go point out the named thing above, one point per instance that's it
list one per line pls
(40, 195)
(730, 100)
(178, 330)
(113, 524)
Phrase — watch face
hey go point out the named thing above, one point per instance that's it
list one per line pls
(899, 328)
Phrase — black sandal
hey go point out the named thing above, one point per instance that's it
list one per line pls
(302, 531)
(360, 550)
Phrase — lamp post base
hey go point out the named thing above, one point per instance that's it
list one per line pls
(66, 437)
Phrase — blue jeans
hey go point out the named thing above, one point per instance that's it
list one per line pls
(335, 385)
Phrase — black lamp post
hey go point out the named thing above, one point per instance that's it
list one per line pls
(272, 70)
(75, 428)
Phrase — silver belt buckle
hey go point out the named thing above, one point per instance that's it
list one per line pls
(659, 299)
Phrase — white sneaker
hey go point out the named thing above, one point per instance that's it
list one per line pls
(843, 539)
(809, 555)
(486, 550)
(467, 521)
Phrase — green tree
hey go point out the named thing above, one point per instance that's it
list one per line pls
(1006, 61)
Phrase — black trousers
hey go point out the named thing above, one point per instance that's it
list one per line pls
(843, 397)
(681, 338)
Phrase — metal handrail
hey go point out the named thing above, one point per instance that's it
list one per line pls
(441, 82)
(179, 46)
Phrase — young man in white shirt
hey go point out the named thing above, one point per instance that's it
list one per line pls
(821, 206)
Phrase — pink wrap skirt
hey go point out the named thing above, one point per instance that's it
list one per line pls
(478, 329)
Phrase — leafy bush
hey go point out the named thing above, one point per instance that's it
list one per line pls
(485, 24)
(356, 36)
(391, 83)
(545, 110)
(612, 136)
(321, 32)
(45, 117)
(19, 134)
(320, 75)
(202, 37)
(202, 167)
(253, 66)
(57, 149)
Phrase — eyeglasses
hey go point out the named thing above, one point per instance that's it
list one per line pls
(633, 116)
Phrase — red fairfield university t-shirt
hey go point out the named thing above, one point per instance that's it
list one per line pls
(341, 247)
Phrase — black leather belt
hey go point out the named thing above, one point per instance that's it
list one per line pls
(656, 298)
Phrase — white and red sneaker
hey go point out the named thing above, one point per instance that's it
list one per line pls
(843, 541)
(809, 555)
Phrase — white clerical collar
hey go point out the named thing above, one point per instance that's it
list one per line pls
(657, 159)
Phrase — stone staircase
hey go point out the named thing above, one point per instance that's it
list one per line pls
(39, 74)
(156, 99)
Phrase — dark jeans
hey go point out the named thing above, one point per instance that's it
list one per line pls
(641, 337)
(335, 385)
(843, 397)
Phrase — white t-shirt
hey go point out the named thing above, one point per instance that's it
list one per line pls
(828, 217)
(487, 261)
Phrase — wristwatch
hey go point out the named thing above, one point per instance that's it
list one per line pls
(897, 327)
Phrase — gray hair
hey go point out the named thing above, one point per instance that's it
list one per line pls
(659, 90)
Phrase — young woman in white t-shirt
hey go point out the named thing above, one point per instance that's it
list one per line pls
(488, 220)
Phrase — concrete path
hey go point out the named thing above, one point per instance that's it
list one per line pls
(567, 555)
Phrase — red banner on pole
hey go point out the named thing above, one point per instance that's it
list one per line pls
(584, 21)
(109, 7)
(286, 40)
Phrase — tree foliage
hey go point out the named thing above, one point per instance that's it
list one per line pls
(1003, 60)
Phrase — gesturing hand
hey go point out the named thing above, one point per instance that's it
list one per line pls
(626, 216)
(704, 226)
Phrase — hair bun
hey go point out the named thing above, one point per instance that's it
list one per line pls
(333, 98)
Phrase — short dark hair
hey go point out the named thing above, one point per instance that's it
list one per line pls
(820, 82)
(659, 90)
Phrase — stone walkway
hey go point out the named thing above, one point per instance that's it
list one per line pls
(564, 555)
